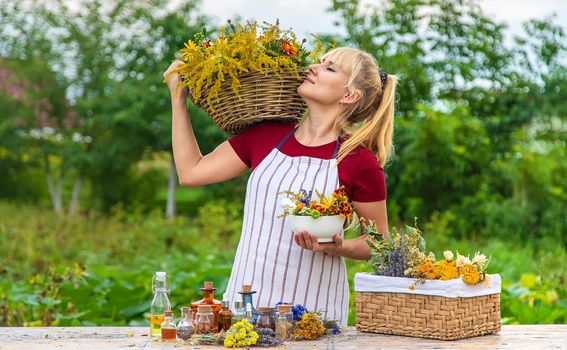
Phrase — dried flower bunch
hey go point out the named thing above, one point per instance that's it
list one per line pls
(241, 334)
(402, 254)
(240, 49)
(301, 204)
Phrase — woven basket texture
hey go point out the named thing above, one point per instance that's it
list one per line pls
(427, 316)
(262, 97)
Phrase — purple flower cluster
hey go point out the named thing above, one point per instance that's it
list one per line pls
(298, 311)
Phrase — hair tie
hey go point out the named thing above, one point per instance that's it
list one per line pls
(383, 78)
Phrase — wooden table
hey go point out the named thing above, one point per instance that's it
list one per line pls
(87, 338)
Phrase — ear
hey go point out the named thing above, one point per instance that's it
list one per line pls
(351, 98)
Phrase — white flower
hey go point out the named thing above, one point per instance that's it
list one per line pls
(35, 133)
(287, 203)
(462, 260)
(48, 131)
(87, 139)
(77, 137)
(448, 255)
(479, 259)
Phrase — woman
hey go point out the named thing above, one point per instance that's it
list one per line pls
(344, 139)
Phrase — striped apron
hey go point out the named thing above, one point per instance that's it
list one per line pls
(267, 256)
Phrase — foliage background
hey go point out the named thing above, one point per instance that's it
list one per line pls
(480, 149)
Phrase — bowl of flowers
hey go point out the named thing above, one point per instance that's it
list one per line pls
(247, 73)
(322, 218)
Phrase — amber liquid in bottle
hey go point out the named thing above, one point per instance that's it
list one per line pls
(168, 334)
(208, 299)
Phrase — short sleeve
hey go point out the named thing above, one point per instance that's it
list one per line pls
(241, 145)
(369, 184)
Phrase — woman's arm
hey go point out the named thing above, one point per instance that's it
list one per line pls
(194, 169)
(355, 248)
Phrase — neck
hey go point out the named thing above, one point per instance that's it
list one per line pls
(317, 127)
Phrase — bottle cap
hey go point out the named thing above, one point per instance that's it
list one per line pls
(160, 276)
(246, 288)
(168, 313)
(284, 308)
(266, 309)
(208, 285)
(205, 308)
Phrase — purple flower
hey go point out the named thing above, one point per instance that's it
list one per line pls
(335, 330)
(298, 311)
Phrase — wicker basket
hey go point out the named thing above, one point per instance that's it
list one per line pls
(428, 316)
(262, 97)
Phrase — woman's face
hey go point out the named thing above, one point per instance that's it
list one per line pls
(325, 84)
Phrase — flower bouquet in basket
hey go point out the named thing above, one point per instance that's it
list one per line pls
(247, 73)
(323, 218)
(413, 294)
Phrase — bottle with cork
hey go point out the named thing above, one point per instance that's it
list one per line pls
(209, 299)
(168, 330)
(247, 299)
(225, 316)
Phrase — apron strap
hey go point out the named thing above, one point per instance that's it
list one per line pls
(336, 151)
(286, 137)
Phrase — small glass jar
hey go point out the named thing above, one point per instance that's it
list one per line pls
(284, 323)
(205, 319)
(185, 327)
(266, 318)
(168, 331)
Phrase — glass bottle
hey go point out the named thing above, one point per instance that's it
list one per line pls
(185, 327)
(284, 322)
(168, 331)
(209, 299)
(205, 320)
(247, 299)
(225, 317)
(239, 312)
(266, 318)
(160, 303)
(250, 314)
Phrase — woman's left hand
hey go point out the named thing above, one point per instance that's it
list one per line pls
(310, 242)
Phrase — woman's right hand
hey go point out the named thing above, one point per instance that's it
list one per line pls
(173, 79)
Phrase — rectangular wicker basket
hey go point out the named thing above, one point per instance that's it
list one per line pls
(421, 313)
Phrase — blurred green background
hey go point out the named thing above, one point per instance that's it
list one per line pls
(86, 173)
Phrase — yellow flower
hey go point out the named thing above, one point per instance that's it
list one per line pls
(470, 274)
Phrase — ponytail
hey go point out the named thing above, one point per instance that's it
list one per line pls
(377, 129)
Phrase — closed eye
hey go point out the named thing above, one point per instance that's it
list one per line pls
(331, 69)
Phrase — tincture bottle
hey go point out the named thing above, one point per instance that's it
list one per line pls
(209, 299)
(225, 316)
(239, 312)
(185, 327)
(247, 299)
(168, 331)
(160, 303)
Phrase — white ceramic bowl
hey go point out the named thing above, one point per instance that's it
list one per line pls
(324, 227)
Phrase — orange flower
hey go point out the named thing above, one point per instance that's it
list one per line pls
(207, 43)
(288, 48)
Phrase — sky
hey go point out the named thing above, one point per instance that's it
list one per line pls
(311, 16)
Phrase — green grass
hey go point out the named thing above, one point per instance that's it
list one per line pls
(96, 270)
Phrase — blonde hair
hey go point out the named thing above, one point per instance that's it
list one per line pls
(371, 121)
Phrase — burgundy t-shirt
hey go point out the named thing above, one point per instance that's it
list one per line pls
(359, 172)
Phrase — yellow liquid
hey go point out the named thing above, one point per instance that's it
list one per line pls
(155, 325)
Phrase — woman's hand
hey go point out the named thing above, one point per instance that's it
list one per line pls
(308, 241)
(172, 79)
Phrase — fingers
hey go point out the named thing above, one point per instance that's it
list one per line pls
(306, 241)
(174, 65)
